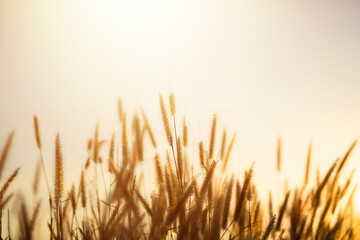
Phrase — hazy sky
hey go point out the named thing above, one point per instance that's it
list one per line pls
(267, 68)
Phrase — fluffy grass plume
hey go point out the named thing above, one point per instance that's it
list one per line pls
(185, 133)
(269, 227)
(5, 151)
(37, 132)
(7, 183)
(172, 104)
(165, 121)
(159, 174)
(83, 189)
(180, 160)
(223, 142)
(59, 171)
(228, 152)
(212, 137)
(120, 110)
(307, 168)
(111, 163)
(124, 141)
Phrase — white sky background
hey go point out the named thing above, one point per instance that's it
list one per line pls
(288, 68)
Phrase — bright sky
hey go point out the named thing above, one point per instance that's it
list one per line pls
(289, 68)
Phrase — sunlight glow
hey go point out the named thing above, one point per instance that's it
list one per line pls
(143, 10)
(138, 11)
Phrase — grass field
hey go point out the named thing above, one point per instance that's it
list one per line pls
(111, 200)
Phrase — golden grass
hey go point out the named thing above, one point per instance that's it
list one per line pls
(165, 121)
(279, 154)
(307, 168)
(172, 104)
(37, 132)
(59, 172)
(212, 137)
(7, 183)
(5, 151)
(185, 202)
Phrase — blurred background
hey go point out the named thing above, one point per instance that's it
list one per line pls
(268, 69)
